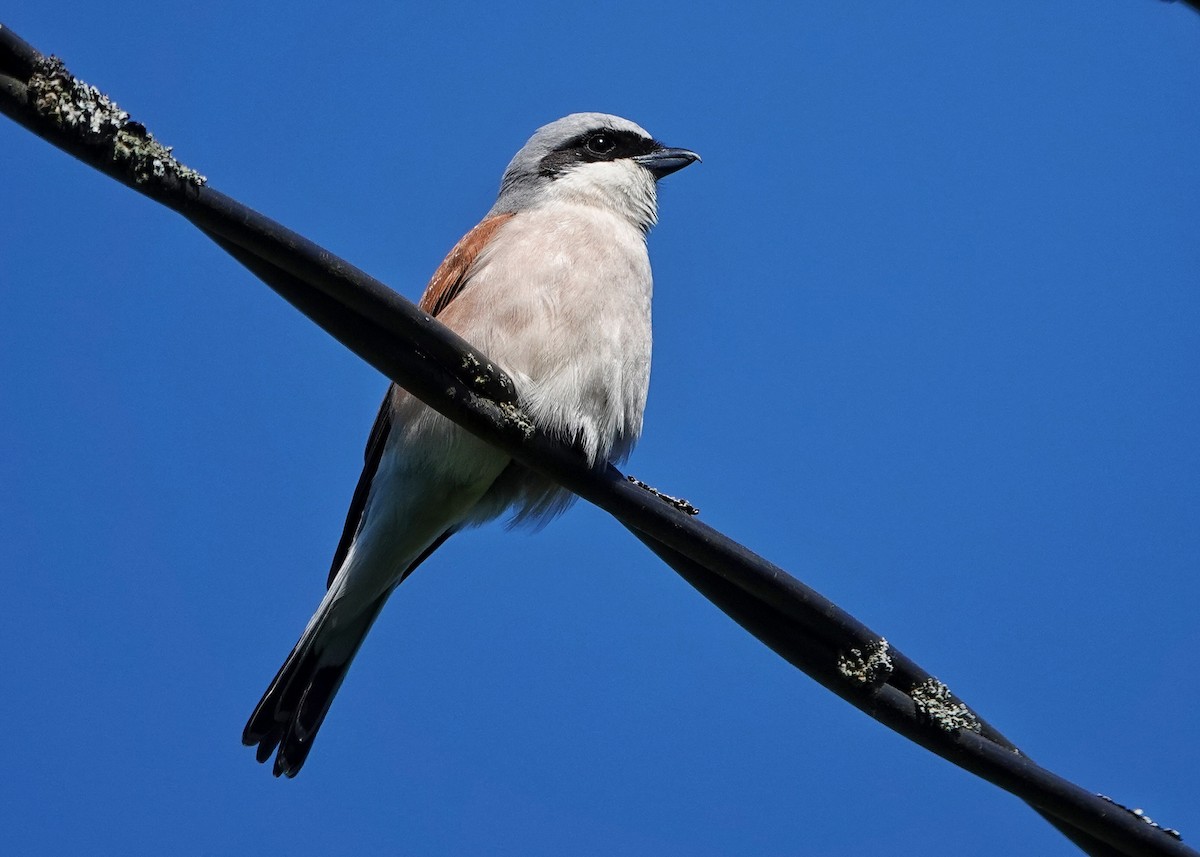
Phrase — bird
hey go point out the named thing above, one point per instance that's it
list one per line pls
(554, 285)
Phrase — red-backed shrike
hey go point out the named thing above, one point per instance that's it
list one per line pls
(554, 285)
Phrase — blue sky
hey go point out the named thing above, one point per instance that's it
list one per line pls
(927, 335)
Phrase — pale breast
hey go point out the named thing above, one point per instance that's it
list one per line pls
(561, 300)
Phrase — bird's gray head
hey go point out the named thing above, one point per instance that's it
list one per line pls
(591, 159)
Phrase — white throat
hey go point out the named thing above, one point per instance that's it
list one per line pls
(621, 187)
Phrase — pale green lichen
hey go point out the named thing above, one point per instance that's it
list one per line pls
(514, 416)
(488, 378)
(871, 665)
(934, 700)
(1140, 814)
(57, 95)
(677, 502)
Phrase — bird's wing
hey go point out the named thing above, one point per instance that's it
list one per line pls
(450, 277)
(371, 455)
(445, 285)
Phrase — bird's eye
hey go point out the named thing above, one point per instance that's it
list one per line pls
(601, 144)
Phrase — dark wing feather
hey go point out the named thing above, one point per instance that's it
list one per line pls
(358, 503)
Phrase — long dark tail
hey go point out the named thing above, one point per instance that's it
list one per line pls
(298, 698)
(292, 710)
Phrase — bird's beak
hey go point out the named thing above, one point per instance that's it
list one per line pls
(666, 161)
